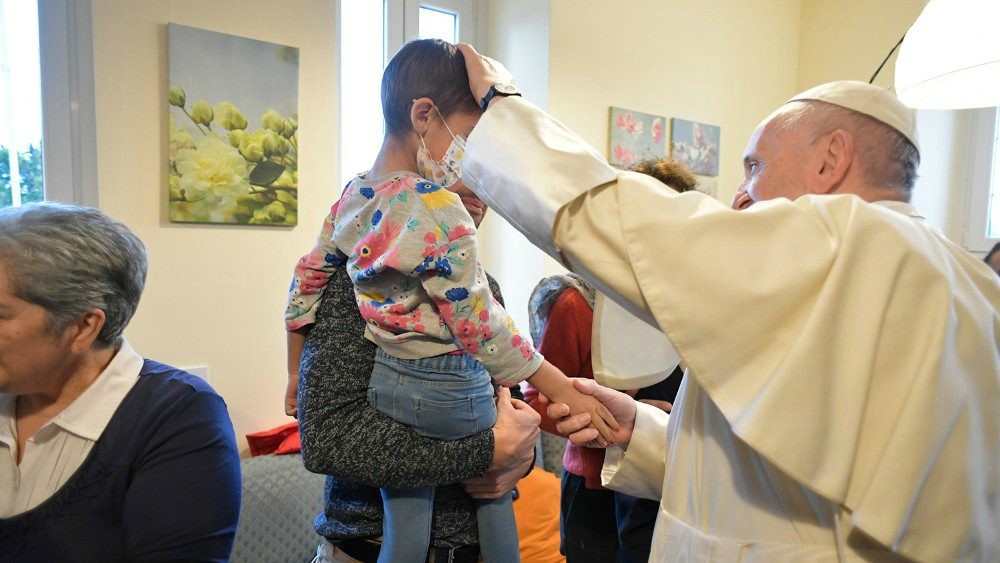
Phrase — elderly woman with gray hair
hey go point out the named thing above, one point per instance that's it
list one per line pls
(104, 456)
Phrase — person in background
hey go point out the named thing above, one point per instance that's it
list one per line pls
(104, 456)
(596, 524)
(993, 258)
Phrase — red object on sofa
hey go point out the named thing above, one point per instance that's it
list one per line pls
(283, 439)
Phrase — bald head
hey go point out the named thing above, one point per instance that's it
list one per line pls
(814, 147)
(886, 157)
(842, 137)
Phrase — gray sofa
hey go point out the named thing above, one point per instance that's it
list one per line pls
(280, 501)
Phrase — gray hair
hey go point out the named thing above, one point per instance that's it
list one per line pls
(889, 158)
(71, 259)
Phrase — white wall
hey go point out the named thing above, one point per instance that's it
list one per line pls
(215, 294)
(942, 189)
(846, 40)
(725, 62)
(518, 35)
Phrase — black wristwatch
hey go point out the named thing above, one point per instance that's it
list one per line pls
(498, 90)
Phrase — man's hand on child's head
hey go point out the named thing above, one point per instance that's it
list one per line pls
(483, 71)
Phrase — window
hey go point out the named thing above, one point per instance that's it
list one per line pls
(439, 24)
(21, 177)
(982, 228)
(993, 226)
(47, 116)
(370, 34)
(362, 60)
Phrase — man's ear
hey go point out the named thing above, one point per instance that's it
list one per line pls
(83, 332)
(420, 115)
(836, 160)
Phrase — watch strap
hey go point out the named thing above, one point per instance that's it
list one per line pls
(492, 92)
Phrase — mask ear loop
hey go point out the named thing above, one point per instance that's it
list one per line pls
(422, 142)
(453, 137)
(444, 122)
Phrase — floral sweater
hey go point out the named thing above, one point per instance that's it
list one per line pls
(411, 252)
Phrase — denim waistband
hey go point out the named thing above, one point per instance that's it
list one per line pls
(445, 363)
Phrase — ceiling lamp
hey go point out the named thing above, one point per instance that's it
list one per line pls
(950, 58)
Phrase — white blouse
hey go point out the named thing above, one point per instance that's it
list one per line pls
(61, 446)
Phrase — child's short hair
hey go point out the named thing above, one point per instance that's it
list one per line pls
(668, 171)
(429, 68)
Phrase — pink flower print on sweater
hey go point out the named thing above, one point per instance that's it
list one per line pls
(522, 344)
(370, 313)
(395, 189)
(468, 335)
(376, 244)
(414, 263)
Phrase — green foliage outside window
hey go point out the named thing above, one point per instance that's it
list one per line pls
(30, 167)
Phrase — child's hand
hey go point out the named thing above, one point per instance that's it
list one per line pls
(292, 395)
(601, 418)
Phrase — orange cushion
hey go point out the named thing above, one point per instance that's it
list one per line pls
(536, 511)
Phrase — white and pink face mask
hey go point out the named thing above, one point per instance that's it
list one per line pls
(448, 170)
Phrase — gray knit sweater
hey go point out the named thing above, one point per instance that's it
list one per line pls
(361, 449)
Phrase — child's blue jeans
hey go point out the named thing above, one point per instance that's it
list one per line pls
(444, 397)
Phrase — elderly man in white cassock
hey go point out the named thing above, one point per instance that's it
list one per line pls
(842, 398)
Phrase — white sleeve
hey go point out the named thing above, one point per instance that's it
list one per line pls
(526, 166)
(639, 470)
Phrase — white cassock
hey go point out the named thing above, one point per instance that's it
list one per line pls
(843, 383)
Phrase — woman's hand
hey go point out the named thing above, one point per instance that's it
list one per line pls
(292, 395)
(515, 434)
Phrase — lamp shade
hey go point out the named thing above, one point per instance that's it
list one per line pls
(950, 58)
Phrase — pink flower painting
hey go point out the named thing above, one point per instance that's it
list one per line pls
(627, 123)
(624, 155)
(657, 130)
(635, 136)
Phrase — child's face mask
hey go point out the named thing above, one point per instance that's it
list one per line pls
(448, 170)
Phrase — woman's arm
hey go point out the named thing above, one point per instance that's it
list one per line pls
(343, 435)
(296, 342)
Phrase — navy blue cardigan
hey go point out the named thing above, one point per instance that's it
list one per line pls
(162, 483)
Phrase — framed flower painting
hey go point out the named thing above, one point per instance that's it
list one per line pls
(233, 115)
(695, 145)
(635, 136)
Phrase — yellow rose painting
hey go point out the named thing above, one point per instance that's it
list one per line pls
(233, 117)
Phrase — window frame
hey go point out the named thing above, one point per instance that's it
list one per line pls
(985, 149)
(398, 16)
(69, 120)
(402, 18)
